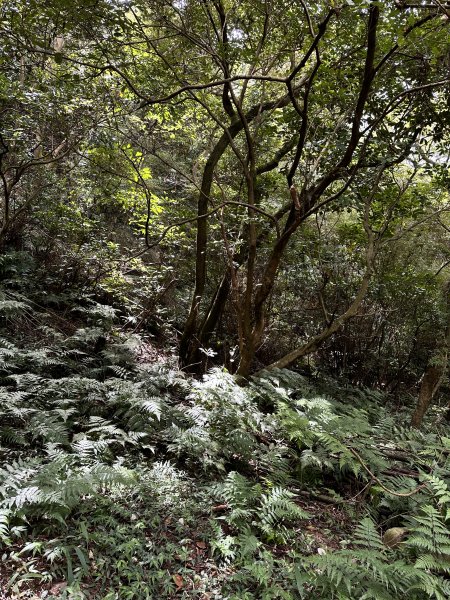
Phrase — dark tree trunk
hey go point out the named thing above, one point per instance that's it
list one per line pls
(189, 342)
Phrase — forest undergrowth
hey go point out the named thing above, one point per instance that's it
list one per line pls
(122, 477)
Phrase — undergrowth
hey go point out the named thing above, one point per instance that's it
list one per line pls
(120, 479)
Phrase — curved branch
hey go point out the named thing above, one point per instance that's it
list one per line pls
(272, 218)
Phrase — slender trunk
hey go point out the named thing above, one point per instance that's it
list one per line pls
(222, 293)
(201, 245)
(190, 333)
(215, 309)
(429, 386)
(304, 201)
(435, 371)
(196, 358)
(314, 344)
(5, 217)
(247, 353)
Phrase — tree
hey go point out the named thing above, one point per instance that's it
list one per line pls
(297, 109)
(437, 366)
(343, 114)
(46, 116)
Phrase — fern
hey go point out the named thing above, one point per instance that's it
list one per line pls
(267, 512)
(429, 532)
(367, 536)
(4, 525)
(278, 508)
(371, 571)
(106, 460)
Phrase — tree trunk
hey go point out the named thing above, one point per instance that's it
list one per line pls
(314, 343)
(190, 332)
(435, 371)
(429, 386)
(221, 295)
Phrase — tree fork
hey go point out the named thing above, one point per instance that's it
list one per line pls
(190, 329)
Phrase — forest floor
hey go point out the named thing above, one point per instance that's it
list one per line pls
(121, 477)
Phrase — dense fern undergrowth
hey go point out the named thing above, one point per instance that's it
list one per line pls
(121, 478)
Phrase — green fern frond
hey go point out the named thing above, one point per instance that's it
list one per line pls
(4, 524)
(367, 536)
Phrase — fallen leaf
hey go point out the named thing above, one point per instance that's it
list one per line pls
(178, 581)
(57, 588)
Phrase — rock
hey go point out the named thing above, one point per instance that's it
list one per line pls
(394, 536)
